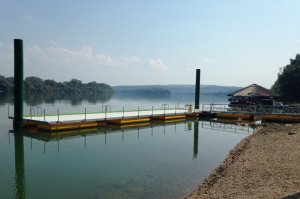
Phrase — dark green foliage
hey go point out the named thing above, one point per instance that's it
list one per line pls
(34, 86)
(287, 84)
(6, 85)
(143, 91)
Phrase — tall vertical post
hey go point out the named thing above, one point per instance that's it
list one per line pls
(197, 91)
(18, 84)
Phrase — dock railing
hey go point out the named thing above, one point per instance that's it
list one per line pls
(257, 109)
(105, 112)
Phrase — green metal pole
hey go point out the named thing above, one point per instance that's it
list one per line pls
(18, 84)
(197, 91)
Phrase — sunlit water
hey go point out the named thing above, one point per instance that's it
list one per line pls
(158, 161)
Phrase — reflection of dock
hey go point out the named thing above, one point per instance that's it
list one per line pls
(113, 128)
(227, 127)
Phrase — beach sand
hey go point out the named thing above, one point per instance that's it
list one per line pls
(264, 165)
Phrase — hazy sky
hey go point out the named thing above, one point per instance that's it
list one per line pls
(129, 42)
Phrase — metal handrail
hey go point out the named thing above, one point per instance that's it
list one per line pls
(261, 109)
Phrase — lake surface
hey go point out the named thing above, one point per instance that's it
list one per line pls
(156, 161)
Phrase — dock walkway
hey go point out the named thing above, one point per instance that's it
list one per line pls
(102, 116)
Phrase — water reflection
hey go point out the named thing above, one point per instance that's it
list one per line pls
(105, 131)
(36, 99)
(20, 184)
(226, 126)
(196, 131)
(109, 183)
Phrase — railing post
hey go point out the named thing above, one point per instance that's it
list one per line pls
(84, 114)
(44, 115)
(123, 112)
(138, 111)
(152, 111)
(57, 115)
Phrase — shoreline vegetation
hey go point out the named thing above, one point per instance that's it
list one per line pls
(38, 91)
(35, 85)
(263, 165)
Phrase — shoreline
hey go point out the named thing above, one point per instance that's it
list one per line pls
(266, 164)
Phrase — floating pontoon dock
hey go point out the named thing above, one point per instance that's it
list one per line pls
(60, 122)
(252, 112)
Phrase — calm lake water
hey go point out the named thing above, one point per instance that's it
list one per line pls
(156, 161)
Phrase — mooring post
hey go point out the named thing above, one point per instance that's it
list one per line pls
(18, 84)
(197, 90)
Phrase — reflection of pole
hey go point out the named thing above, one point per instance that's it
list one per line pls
(20, 168)
(196, 130)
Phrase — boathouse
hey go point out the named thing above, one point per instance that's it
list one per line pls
(253, 94)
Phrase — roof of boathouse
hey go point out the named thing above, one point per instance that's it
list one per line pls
(254, 90)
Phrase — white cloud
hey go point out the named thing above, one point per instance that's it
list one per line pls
(157, 64)
(85, 55)
(298, 40)
(134, 59)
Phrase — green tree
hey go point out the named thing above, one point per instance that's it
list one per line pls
(5, 85)
(288, 82)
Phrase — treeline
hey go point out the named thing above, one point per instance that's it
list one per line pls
(287, 84)
(143, 91)
(35, 85)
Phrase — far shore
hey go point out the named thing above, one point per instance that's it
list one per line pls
(266, 164)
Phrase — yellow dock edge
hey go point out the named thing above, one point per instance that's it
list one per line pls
(66, 126)
(169, 117)
(129, 121)
(265, 117)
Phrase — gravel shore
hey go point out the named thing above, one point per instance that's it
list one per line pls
(264, 165)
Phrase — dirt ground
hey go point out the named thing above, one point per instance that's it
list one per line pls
(264, 165)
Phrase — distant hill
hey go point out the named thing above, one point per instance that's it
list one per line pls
(177, 89)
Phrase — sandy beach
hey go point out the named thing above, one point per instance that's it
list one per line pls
(264, 165)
